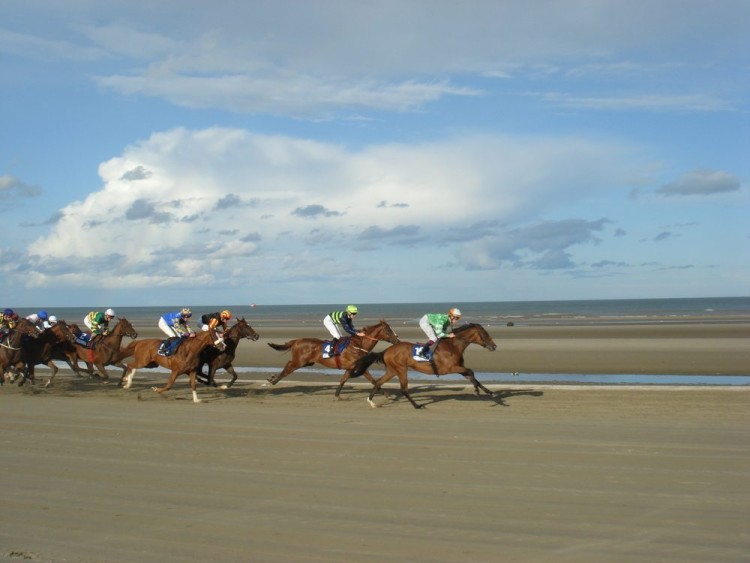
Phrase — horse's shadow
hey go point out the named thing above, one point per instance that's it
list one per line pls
(427, 396)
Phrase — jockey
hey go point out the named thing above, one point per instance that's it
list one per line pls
(436, 326)
(340, 322)
(216, 320)
(7, 322)
(40, 320)
(98, 322)
(176, 324)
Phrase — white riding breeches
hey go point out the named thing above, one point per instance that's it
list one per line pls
(425, 325)
(166, 329)
(333, 327)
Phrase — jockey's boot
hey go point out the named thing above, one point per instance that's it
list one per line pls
(425, 351)
(333, 346)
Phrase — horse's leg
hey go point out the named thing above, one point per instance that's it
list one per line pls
(346, 377)
(469, 374)
(104, 376)
(191, 375)
(378, 384)
(290, 366)
(127, 375)
(51, 365)
(230, 371)
(404, 380)
(172, 377)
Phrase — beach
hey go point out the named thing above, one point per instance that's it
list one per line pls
(286, 473)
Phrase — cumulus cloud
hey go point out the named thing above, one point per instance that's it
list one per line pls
(171, 213)
(701, 183)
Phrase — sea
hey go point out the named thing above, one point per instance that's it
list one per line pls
(488, 313)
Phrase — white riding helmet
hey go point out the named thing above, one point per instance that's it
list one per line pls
(52, 320)
(110, 312)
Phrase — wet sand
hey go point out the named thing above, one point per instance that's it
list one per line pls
(256, 473)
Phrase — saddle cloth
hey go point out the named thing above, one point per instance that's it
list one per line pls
(416, 349)
(340, 347)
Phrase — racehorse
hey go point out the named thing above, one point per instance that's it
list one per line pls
(448, 357)
(106, 351)
(185, 360)
(39, 350)
(308, 351)
(10, 349)
(217, 359)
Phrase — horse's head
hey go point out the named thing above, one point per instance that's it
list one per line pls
(241, 329)
(25, 327)
(61, 332)
(382, 331)
(475, 334)
(125, 328)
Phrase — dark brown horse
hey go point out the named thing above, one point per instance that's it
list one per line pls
(217, 359)
(447, 358)
(38, 350)
(10, 349)
(185, 360)
(106, 352)
(308, 351)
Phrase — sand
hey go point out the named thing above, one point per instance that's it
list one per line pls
(256, 473)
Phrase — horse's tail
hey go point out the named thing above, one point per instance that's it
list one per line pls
(280, 347)
(126, 352)
(361, 365)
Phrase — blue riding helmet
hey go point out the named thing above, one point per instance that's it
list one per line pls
(42, 315)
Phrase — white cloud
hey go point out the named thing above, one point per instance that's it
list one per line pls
(171, 200)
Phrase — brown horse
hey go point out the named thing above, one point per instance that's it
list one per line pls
(447, 358)
(38, 350)
(106, 351)
(185, 360)
(217, 359)
(10, 349)
(308, 351)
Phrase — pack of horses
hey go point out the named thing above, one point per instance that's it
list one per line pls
(26, 347)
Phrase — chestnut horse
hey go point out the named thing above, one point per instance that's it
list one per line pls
(217, 359)
(10, 349)
(106, 351)
(448, 357)
(308, 351)
(185, 360)
(39, 350)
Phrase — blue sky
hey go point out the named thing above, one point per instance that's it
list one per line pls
(337, 151)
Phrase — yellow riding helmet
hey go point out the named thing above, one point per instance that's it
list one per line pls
(225, 314)
(186, 312)
(352, 309)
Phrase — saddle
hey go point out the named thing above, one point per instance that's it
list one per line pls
(85, 339)
(341, 344)
(169, 346)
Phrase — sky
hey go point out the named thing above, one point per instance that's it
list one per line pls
(309, 152)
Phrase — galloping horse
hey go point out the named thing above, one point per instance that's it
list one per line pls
(217, 359)
(106, 352)
(447, 358)
(39, 350)
(185, 360)
(308, 351)
(10, 349)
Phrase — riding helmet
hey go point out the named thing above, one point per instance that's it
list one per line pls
(455, 312)
(352, 309)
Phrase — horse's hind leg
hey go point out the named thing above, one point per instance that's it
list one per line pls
(172, 377)
(387, 376)
(288, 368)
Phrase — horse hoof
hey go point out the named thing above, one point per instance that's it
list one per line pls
(372, 404)
(223, 387)
(48, 383)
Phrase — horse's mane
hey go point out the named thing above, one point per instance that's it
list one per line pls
(464, 327)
